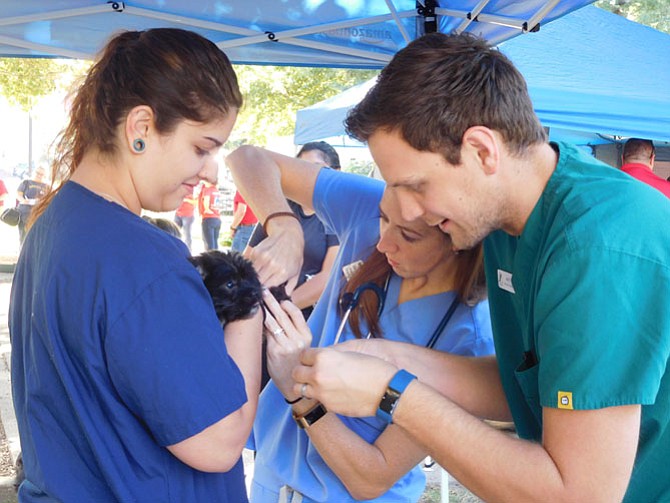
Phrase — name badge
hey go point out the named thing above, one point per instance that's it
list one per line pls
(505, 281)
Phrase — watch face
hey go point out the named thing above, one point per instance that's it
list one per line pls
(389, 400)
(311, 417)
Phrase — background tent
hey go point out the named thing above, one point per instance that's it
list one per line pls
(348, 33)
(593, 76)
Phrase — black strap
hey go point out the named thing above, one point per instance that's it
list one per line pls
(443, 323)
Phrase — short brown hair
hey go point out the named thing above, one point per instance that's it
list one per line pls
(638, 148)
(438, 86)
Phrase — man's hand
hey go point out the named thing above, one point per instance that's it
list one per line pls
(379, 348)
(347, 383)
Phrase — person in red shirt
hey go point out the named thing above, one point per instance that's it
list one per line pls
(183, 217)
(211, 218)
(3, 193)
(243, 224)
(638, 161)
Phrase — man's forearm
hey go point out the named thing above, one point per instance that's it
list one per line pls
(492, 464)
(471, 382)
(260, 186)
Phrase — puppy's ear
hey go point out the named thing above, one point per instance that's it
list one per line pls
(279, 292)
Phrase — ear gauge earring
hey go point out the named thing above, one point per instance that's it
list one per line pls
(139, 145)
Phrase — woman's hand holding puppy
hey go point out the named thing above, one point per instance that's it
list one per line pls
(287, 335)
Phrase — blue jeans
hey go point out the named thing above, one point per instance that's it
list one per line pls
(185, 224)
(210, 232)
(241, 237)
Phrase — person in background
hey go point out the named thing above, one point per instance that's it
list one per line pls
(321, 246)
(578, 274)
(209, 214)
(638, 161)
(433, 297)
(164, 224)
(4, 194)
(124, 384)
(243, 223)
(184, 217)
(28, 193)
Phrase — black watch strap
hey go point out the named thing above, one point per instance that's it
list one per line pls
(310, 417)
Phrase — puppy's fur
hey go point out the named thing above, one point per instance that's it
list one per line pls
(233, 284)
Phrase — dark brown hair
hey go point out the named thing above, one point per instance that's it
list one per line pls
(470, 285)
(440, 85)
(179, 74)
(330, 155)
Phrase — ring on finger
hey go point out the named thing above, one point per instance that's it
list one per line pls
(278, 331)
(302, 390)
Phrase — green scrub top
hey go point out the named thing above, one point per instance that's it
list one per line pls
(580, 307)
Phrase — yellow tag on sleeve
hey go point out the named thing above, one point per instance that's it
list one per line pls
(565, 400)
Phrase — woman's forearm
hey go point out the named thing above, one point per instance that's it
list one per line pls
(366, 470)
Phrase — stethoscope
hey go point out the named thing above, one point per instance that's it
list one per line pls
(350, 301)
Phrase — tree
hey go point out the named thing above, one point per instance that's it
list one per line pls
(653, 13)
(273, 95)
(24, 80)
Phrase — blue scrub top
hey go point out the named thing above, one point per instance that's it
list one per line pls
(349, 204)
(116, 354)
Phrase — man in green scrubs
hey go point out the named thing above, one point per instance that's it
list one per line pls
(578, 268)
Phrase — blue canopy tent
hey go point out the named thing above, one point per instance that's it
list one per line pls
(593, 77)
(334, 33)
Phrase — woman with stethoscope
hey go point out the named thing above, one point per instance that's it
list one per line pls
(410, 287)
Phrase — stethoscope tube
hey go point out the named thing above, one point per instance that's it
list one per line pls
(350, 301)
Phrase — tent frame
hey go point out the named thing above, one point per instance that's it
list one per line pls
(426, 14)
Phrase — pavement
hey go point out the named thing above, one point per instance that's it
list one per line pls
(6, 404)
(9, 250)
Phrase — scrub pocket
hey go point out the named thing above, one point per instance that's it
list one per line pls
(528, 380)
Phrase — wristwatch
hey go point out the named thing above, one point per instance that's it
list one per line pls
(310, 417)
(389, 400)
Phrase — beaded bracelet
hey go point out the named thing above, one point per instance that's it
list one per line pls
(278, 214)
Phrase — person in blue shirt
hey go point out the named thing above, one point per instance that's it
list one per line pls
(431, 297)
(321, 247)
(125, 387)
(578, 273)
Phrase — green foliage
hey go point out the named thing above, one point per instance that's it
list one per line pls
(653, 13)
(360, 167)
(23, 80)
(274, 94)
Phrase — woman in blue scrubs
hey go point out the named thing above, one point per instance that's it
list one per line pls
(124, 385)
(432, 297)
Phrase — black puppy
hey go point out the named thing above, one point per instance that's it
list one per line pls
(233, 284)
